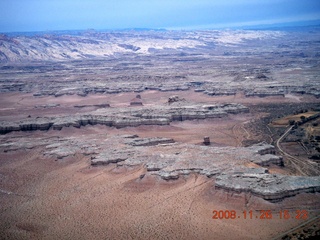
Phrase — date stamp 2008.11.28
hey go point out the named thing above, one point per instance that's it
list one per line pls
(261, 214)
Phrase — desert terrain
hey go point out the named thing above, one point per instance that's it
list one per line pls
(103, 135)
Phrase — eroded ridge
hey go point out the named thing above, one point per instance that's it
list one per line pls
(256, 63)
(127, 117)
(271, 187)
(170, 160)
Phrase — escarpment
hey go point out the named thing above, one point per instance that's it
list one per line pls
(169, 160)
(126, 117)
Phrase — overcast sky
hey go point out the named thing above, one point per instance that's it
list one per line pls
(41, 15)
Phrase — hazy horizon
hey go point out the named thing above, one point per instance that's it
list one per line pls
(45, 15)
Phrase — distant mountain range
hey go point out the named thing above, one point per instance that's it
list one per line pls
(288, 26)
(285, 26)
(90, 44)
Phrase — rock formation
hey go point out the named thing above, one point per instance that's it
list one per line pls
(169, 160)
(271, 187)
(102, 105)
(227, 70)
(206, 141)
(126, 117)
(136, 101)
(174, 99)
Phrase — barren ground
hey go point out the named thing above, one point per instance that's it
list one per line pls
(43, 198)
(69, 199)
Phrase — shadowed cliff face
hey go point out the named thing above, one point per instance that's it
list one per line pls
(119, 118)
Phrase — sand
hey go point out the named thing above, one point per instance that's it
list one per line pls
(43, 198)
(69, 199)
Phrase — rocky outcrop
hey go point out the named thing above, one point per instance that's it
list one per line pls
(136, 101)
(267, 154)
(168, 160)
(206, 141)
(268, 159)
(174, 99)
(149, 141)
(58, 123)
(111, 157)
(123, 63)
(271, 187)
(219, 92)
(249, 91)
(263, 148)
(52, 105)
(102, 105)
(126, 117)
(263, 94)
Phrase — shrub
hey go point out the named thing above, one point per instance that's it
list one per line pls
(292, 122)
